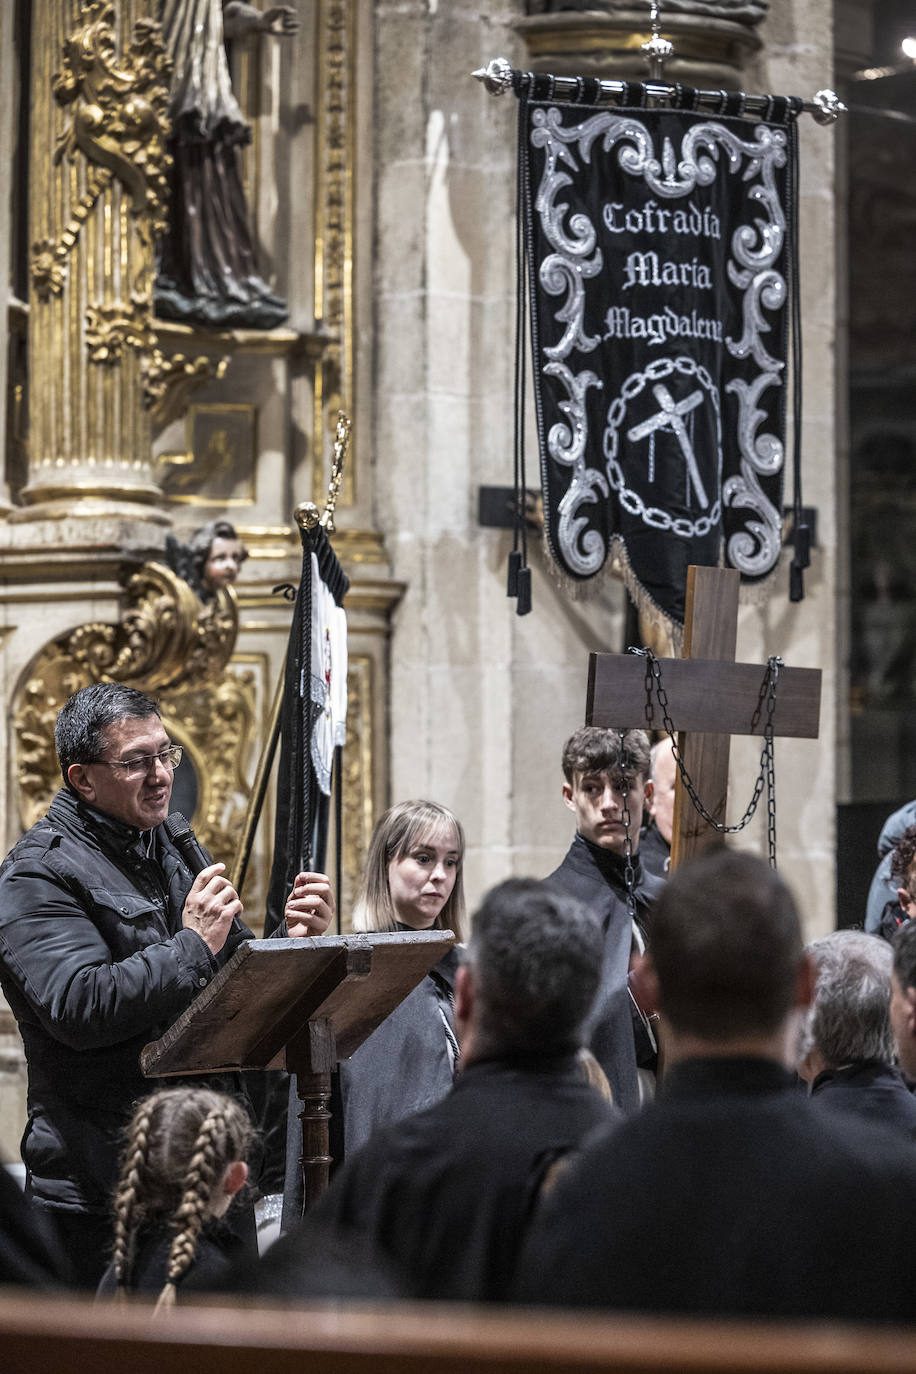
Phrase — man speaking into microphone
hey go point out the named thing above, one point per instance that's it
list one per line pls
(106, 936)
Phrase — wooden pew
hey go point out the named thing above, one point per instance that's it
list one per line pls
(48, 1335)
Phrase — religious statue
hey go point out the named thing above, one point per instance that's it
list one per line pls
(210, 560)
(207, 272)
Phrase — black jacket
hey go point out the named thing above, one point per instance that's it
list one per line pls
(597, 878)
(94, 963)
(29, 1251)
(732, 1194)
(218, 1248)
(871, 1089)
(654, 851)
(445, 1195)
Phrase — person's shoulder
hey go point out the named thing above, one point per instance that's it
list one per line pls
(893, 828)
(364, 1174)
(578, 866)
(390, 1144)
(55, 839)
(651, 885)
(871, 1148)
(559, 875)
(35, 844)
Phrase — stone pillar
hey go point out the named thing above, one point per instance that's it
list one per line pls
(713, 39)
(96, 197)
(798, 59)
(481, 700)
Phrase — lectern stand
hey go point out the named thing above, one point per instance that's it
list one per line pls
(300, 1005)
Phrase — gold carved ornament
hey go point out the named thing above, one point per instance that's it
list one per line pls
(120, 125)
(170, 381)
(172, 646)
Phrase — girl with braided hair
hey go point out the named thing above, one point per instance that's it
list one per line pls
(185, 1160)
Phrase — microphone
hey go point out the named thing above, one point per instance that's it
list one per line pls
(185, 841)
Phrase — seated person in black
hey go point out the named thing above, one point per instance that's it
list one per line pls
(444, 1195)
(846, 1047)
(732, 1194)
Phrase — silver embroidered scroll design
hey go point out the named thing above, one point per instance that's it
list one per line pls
(576, 257)
(583, 548)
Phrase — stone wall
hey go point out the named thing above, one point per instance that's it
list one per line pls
(481, 699)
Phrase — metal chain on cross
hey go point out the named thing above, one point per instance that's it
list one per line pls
(766, 776)
(629, 875)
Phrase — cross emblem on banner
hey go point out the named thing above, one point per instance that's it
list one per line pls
(710, 698)
(670, 417)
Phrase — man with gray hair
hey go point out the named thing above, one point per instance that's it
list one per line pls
(656, 836)
(445, 1194)
(846, 1045)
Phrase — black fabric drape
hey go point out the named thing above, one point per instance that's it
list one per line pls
(301, 826)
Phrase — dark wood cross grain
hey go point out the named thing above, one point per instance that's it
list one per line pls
(710, 698)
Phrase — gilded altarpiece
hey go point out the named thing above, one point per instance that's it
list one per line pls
(136, 423)
(97, 200)
(169, 645)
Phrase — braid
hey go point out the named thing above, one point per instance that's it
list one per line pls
(178, 1148)
(128, 1203)
(204, 1170)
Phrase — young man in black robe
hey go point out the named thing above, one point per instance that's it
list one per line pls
(733, 1194)
(444, 1196)
(607, 778)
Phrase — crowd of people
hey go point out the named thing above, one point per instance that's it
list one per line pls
(622, 1089)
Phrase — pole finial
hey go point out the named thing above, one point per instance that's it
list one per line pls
(658, 50)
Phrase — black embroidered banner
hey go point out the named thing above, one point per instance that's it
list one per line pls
(659, 269)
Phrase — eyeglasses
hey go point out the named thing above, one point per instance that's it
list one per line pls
(134, 768)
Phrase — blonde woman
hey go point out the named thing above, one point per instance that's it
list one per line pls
(412, 881)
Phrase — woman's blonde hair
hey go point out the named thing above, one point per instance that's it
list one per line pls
(179, 1144)
(400, 829)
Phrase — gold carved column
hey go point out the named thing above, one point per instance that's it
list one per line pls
(97, 195)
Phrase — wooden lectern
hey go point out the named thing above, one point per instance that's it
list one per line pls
(300, 1005)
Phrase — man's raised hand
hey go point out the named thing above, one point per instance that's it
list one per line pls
(211, 906)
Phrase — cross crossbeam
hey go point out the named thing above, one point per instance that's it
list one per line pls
(710, 698)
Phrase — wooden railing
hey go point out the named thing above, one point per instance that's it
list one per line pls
(43, 1335)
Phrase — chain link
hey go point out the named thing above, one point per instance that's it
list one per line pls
(629, 875)
(767, 774)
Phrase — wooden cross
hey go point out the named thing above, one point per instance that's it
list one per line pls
(710, 698)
